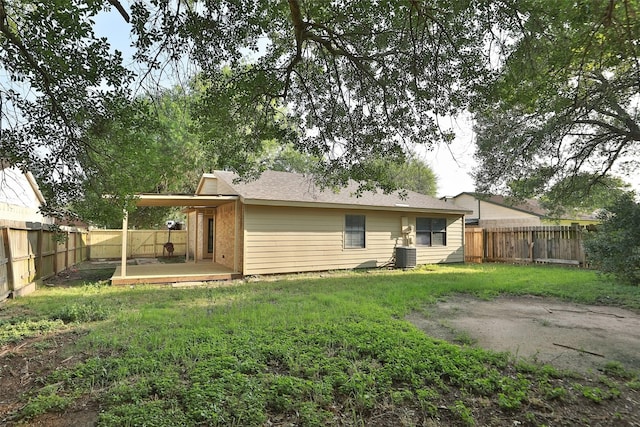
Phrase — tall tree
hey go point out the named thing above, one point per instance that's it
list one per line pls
(165, 156)
(60, 85)
(360, 79)
(564, 104)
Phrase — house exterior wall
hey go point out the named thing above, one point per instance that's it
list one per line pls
(19, 203)
(495, 216)
(510, 222)
(286, 239)
(466, 201)
(228, 232)
(452, 252)
(493, 212)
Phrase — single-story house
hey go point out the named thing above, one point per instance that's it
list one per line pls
(283, 223)
(491, 211)
(20, 199)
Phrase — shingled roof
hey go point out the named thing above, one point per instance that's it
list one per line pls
(293, 189)
(530, 206)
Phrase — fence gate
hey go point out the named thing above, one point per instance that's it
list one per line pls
(473, 245)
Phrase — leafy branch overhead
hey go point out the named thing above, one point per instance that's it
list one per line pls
(360, 79)
(565, 103)
(553, 86)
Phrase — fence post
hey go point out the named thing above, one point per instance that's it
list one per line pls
(11, 280)
(39, 264)
(577, 232)
(66, 252)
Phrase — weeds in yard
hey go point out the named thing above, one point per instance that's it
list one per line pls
(15, 330)
(463, 412)
(307, 352)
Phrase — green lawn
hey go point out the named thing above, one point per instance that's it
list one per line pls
(302, 350)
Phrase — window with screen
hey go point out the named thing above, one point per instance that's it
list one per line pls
(354, 232)
(431, 231)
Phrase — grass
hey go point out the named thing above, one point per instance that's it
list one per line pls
(302, 350)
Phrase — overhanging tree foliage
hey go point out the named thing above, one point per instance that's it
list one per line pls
(350, 82)
(363, 79)
(59, 86)
(360, 79)
(565, 102)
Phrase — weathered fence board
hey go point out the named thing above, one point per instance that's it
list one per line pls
(107, 244)
(473, 245)
(544, 244)
(30, 255)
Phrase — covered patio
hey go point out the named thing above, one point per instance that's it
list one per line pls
(196, 268)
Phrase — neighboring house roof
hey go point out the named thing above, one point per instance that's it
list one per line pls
(293, 189)
(9, 172)
(20, 197)
(529, 206)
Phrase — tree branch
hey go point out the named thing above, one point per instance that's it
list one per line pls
(123, 12)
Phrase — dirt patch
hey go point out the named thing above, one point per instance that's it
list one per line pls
(85, 272)
(23, 370)
(564, 335)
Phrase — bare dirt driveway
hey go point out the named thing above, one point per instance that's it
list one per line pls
(567, 336)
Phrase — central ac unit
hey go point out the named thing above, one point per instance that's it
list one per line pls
(405, 257)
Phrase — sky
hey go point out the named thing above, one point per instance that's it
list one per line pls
(454, 163)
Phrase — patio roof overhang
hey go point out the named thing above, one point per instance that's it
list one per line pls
(162, 200)
(187, 201)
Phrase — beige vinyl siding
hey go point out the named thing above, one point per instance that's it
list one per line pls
(19, 203)
(492, 215)
(214, 186)
(466, 201)
(285, 239)
(209, 186)
(454, 249)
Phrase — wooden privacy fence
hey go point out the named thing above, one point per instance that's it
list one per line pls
(30, 255)
(544, 244)
(107, 244)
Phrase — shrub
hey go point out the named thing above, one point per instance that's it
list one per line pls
(615, 247)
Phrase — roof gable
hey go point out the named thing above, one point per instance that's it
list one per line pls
(19, 188)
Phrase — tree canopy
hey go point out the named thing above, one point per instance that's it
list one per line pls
(356, 79)
(564, 104)
(553, 85)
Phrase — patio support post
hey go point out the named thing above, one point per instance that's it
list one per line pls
(125, 226)
(186, 249)
(236, 237)
(198, 239)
